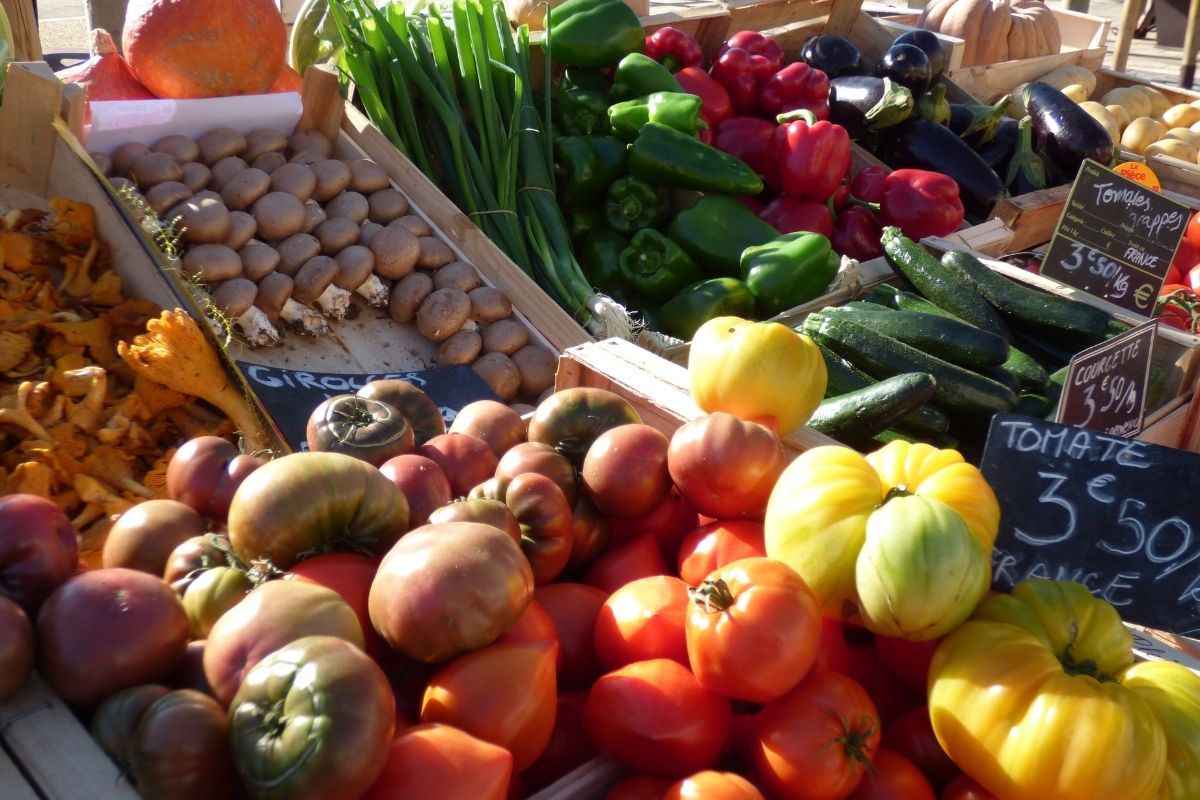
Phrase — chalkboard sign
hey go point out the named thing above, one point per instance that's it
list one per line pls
(1115, 239)
(1118, 515)
(289, 396)
(1106, 385)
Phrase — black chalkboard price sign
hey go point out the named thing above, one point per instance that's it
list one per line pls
(1106, 385)
(1115, 239)
(1117, 515)
(289, 396)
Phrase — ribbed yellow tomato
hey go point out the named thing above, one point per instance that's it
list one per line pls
(758, 371)
(1028, 698)
(1173, 692)
(816, 519)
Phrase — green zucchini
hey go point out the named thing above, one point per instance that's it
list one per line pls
(1034, 405)
(1029, 373)
(941, 285)
(1026, 307)
(855, 417)
(1000, 375)
(844, 378)
(1048, 351)
(949, 339)
(881, 357)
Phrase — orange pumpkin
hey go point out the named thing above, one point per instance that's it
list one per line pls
(995, 30)
(290, 81)
(205, 48)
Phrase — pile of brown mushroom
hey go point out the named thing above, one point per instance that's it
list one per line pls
(281, 233)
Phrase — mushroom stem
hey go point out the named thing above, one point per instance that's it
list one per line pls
(374, 291)
(257, 328)
(334, 302)
(307, 320)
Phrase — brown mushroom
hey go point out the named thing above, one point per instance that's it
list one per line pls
(208, 194)
(537, 365)
(414, 224)
(211, 263)
(366, 177)
(103, 162)
(273, 293)
(205, 221)
(505, 336)
(314, 215)
(457, 274)
(434, 253)
(308, 158)
(443, 313)
(225, 169)
(220, 143)
(356, 266)
(489, 304)
(182, 148)
(264, 140)
(335, 234)
(500, 373)
(295, 251)
(367, 232)
(333, 178)
(314, 278)
(243, 190)
(396, 253)
(279, 215)
(460, 349)
(310, 141)
(259, 261)
(119, 182)
(295, 179)
(269, 162)
(155, 168)
(196, 175)
(242, 228)
(386, 205)
(124, 156)
(349, 204)
(166, 195)
(407, 295)
(235, 299)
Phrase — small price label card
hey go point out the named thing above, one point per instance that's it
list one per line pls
(1116, 239)
(1106, 384)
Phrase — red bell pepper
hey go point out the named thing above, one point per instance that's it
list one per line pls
(857, 233)
(867, 185)
(921, 203)
(715, 106)
(840, 197)
(795, 86)
(810, 158)
(747, 138)
(674, 49)
(735, 70)
(791, 214)
(768, 55)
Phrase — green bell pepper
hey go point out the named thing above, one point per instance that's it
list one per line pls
(683, 314)
(633, 204)
(716, 230)
(665, 156)
(789, 271)
(587, 78)
(657, 267)
(582, 220)
(675, 109)
(581, 112)
(593, 33)
(586, 166)
(600, 257)
(639, 75)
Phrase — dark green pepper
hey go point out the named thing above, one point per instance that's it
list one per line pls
(581, 112)
(633, 204)
(593, 33)
(600, 257)
(657, 267)
(789, 271)
(586, 166)
(716, 230)
(933, 105)
(683, 314)
(677, 110)
(1026, 169)
(664, 156)
(639, 75)
(583, 220)
(592, 80)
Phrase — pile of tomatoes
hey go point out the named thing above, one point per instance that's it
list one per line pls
(1178, 301)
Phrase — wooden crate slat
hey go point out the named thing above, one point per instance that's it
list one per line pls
(1032, 217)
(13, 785)
(55, 750)
(989, 82)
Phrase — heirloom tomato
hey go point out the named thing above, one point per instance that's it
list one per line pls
(180, 750)
(116, 719)
(639, 558)
(570, 420)
(672, 520)
(725, 467)
(1028, 698)
(542, 459)
(498, 425)
(716, 544)
(39, 549)
(444, 762)
(417, 407)
(643, 619)
(547, 527)
(206, 471)
(365, 429)
(1173, 692)
(465, 460)
(893, 777)
(350, 575)
(16, 647)
(573, 607)
(625, 470)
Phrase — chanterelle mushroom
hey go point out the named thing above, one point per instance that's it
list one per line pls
(235, 298)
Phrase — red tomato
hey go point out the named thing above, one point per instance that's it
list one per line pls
(534, 625)
(1191, 234)
(816, 742)
(1169, 287)
(964, 788)
(465, 460)
(1192, 278)
(637, 559)
(725, 467)
(625, 470)
(669, 523)
(908, 661)
(754, 630)
(890, 696)
(444, 762)
(1176, 270)
(911, 735)
(573, 607)
(893, 778)
(520, 719)
(713, 785)
(569, 745)
(835, 652)
(654, 716)
(716, 544)
(16, 647)
(350, 575)
(639, 787)
(642, 620)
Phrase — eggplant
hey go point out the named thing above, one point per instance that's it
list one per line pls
(862, 104)
(921, 144)
(1063, 132)
(1000, 149)
(933, 106)
(1026, 171)
(833, 55)
(977, 123)
(908, 66)
(929, 42)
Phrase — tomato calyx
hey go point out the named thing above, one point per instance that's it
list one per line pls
(899, 490)
(855, 741)
(1087, 667)
(715, 597)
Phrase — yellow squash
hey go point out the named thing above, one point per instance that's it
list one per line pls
(1029, 698)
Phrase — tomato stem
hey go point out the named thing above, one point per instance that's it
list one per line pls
(899, 490)
(714, 596)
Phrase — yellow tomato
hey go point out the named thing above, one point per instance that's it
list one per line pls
(758, 371)
(1027, 698)
(1173, 692)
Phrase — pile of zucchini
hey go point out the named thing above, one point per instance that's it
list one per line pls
(935, 363)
